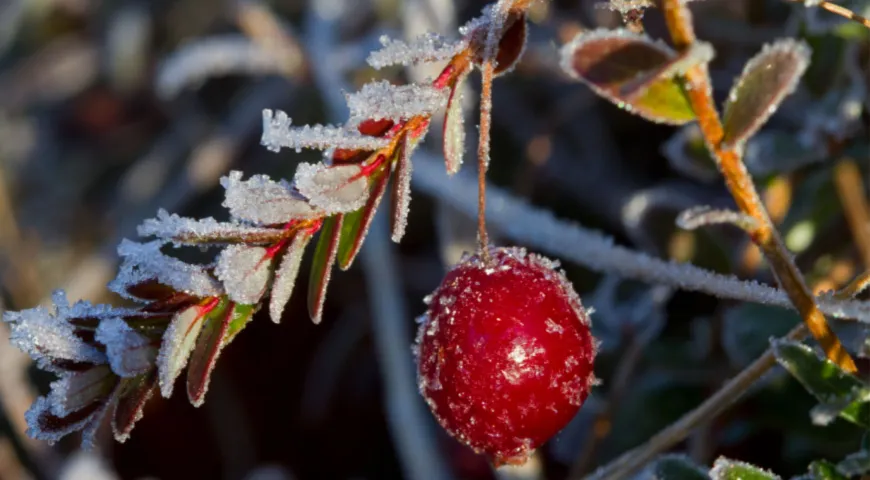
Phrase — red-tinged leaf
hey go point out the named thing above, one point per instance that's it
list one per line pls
(44, 425)
(608, 60)
(321, 265)
(285, 275)
(511, 46)
(75, 391)
(401, 194)
(453, 129)
(208, 347)
(375, 128)
(180, 339)
(766, 80)
(356, 224)
(132, 395)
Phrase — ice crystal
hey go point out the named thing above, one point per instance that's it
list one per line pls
(383, 100)
(336, 189)
(47, 337)
(244, 272)
(263, 201)
(190, 231)
(144, 262)
(277, 134)
(429, 47)
(130, 353)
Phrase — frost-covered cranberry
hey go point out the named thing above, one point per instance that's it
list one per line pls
(505, 353)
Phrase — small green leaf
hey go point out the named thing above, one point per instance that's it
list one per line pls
(242, 315)
(824, 470)
(678, 467)
(766, 80)
(725, 469)
(133, 393)
(632, 71)
(321, 265)
(826, 381)
(356, 224)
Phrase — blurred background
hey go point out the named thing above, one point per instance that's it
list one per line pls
(111, 110)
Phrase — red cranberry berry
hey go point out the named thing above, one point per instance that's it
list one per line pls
(505, 353)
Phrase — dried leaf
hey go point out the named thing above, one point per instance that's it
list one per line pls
(285, 275)
(321, 265)
(132, 396)
(401, 194)
(766, 80)
(356, 224)
(608, 60)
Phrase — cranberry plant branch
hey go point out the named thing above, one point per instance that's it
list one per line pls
(835, 9)
(739, 183)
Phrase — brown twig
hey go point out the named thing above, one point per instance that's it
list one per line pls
(841, 11)
(739, 183)
(850, 189)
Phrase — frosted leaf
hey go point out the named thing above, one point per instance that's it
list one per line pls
(90, 429)
(244, 272)
(285, 276)
(625, 6)
(401, 198)
(261, 200)
(382, 100)
(766, 80)
(134, 393)
(77, 390)
(189, 231)
(278, 134)
(178, 341)
(429, 47)
(44, 425)
(337, 189)
(725, 469)
(454, 129)
(697, 217)
(497, 16)
(144, 262)
(130, 353)
(47, 337)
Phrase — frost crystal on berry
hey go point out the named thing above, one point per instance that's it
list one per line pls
(505, 353)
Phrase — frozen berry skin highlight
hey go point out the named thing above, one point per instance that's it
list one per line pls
(505, 353)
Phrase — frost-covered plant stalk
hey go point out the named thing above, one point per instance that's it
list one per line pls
(110, 361)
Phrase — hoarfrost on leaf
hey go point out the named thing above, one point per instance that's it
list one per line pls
(383, 100)
(277, 134)
(337, 189)
(189, 231)
(144, 262)
(264, 201)
(130, 353)
(401, 200)
(47, 337)
(76, 390)
(178, 341)
(244, 272)
(429, 47)
(285, 276)
(44, 425)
